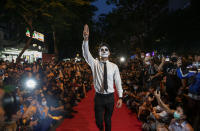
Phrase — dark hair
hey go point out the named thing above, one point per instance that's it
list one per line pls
(103, 44)
(183, 106)
(144, 115)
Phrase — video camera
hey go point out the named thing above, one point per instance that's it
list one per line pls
(10, 103)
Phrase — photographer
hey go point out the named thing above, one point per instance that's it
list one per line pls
(173, 83)
(193, 76)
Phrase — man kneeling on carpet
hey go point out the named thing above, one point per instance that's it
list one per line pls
(104, 74)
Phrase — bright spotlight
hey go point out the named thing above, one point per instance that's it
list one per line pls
(122, 59)
(31, 84)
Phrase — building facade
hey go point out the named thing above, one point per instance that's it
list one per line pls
(10, 49)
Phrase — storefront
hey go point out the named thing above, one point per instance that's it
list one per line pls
(12, 53)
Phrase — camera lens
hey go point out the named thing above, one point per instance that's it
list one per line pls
(10, 102)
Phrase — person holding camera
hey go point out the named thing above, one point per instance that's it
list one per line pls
(173, 83)
(193, 76)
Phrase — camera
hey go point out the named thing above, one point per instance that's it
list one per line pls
(10, 103)
(167, 59)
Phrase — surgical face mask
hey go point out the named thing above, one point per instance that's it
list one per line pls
(104, 52)
(44, 103)
(128, 82)
(147, 63)
(177, 115)
(142, 56)
(135, 87)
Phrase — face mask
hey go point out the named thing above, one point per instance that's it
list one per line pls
(135, 88)
(147, 63)
(44, 103)
(142, 56)
(128, 81)
(176, 115)
(104, 52)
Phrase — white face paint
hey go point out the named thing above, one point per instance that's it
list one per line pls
(104, 51)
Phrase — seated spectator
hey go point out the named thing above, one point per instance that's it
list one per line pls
(179, 123)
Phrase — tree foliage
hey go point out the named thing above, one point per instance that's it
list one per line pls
(149, 25)
(48, 16)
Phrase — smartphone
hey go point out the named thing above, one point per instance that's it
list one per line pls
(167, 59)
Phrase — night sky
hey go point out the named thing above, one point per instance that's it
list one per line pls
(103, 8)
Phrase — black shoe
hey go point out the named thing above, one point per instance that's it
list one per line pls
(73, 111)
(75, 104)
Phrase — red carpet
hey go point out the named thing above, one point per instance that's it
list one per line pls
(84, 120)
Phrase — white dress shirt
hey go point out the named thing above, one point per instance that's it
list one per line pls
(97, 67)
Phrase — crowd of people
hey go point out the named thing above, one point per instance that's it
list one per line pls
(38, 95)
(163, 91)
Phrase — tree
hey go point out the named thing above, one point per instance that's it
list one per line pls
(59, 16)
(130, 22)
(69, 36)
(149, 25)
(49, 16)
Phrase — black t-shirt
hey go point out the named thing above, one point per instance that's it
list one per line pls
(52, 102)
(172, 82)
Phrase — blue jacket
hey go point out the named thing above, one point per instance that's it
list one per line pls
(194, 88)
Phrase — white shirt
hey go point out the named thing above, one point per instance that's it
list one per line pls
(97, 68)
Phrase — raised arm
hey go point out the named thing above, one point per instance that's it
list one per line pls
(160, 67)
(85, 47)
(162, 104)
